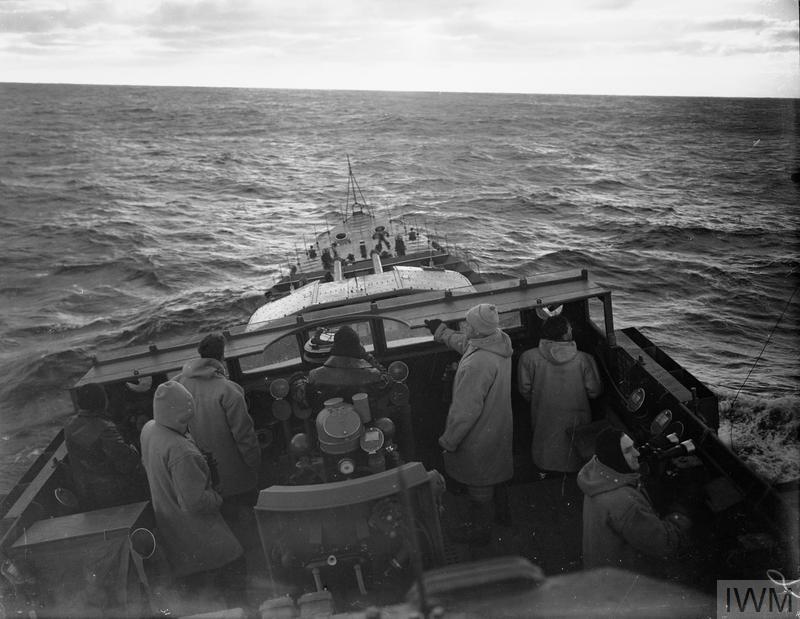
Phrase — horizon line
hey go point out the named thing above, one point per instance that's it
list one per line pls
(392, 90)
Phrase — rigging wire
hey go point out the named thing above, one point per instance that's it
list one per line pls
(769, 337)
(758, 358)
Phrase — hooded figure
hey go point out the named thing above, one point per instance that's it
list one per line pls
(104, 467)
(558, 380)
(190, 526)
(478, 431)
(221, 424)
(620, 526)
(348, 370)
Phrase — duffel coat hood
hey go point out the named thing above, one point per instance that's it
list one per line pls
(189, 524)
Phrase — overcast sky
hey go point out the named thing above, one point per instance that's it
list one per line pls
(641, 47)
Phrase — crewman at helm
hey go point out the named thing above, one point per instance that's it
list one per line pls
(348, 370)
(105, 469)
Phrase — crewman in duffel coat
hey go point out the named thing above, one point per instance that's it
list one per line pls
(222, 425)
(200, 547)
(558, 380)
(477, 439)
(620, 525)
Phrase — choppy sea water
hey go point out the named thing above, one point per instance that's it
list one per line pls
(132, 214)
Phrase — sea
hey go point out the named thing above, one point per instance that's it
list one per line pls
(135, 214)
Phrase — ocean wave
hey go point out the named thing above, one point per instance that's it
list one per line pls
(605, 184)
(34, 378)
(764, 432)
(565, 258)
(140, 270)
(151, 329)
(81, 268)
(223, 158)
(60, 323)
(135, 110)
(183, 317)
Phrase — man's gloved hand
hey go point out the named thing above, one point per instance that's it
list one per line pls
(432, 324)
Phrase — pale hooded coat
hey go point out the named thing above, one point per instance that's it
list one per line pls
(222, 425)
(189, 525)
(558, 380)
(479, 427)
(620, 527)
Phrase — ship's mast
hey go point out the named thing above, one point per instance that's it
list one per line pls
(352, 187)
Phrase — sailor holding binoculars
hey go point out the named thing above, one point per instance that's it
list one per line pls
(620, 525)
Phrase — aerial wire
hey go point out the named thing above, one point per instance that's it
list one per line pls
(769, 337)
(758, 358)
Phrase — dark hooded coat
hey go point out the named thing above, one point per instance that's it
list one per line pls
(104, 467)
(341, 376)
(620, 526)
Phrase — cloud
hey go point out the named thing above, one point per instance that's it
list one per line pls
(733, 24)
(739, 36)
(208, 14)
(37, 16)
(609, 5)
(377, 43)
(37, 22)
